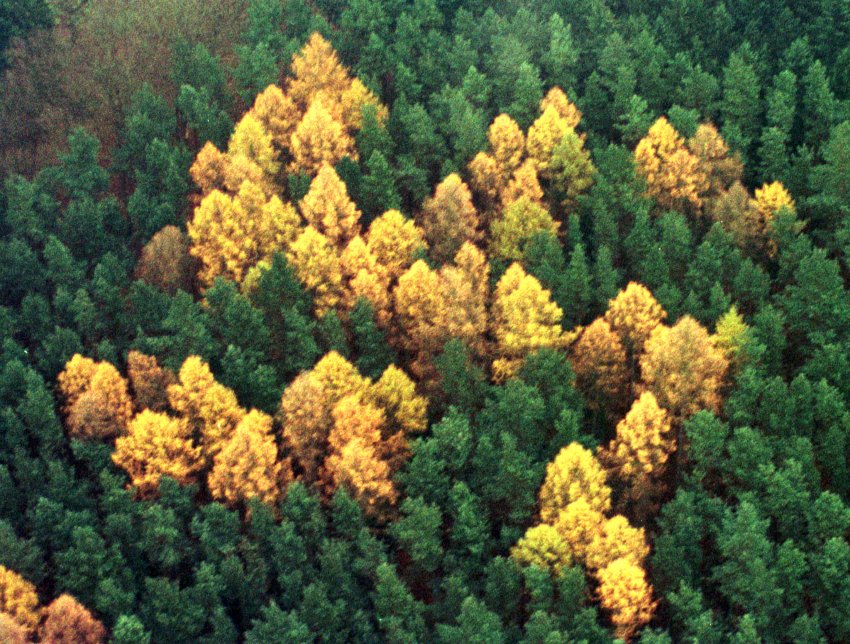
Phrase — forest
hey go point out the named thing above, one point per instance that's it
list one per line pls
(443, 321)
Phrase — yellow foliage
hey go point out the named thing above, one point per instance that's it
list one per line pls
(599, 362)
(11, 632)
(449, 218)
(544, 134)
(524, 184)
(75, 379)
(626, 595)
(149, 381)
(487, 179)
(304, 414)
(209, 168)
(210, 409)
(339, 377)
(353, 100)
(519, 222)
(395, 392)
(419, 307)
(366, 278)
(507, 143)
(683, 368)
(354, 418)
(232, 234)
(358, 468)
(544, 547)
(580, 526)
(633, 314)
(574, 474)
(317, 265)
(328, 208)
(250, 140)
(277, 113)
(319, 140)
(69, 622)
(247, 465)
(770, 199)
(18, 599)
(393, 239)
(104, 408)
(556, 99)
(157, 445)
(721, 168)
(617, 539)
(642, 445)
(524, 319)
(464, 288)
(731, 336)
(674, 176)
(316, 68)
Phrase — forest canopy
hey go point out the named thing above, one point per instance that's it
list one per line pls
(437, 321)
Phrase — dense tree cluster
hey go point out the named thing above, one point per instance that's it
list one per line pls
(435, 321)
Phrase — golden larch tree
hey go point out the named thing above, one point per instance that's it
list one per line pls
(633, 315)
(617, 539)
(507, 144)
(247, 466)
(359, 469)
(75, 379)
(316, 69)
(103, 410)
(329, 209)
(251, 141)
(544, 134)
(365, 277)
(278, 115)
(448, 218)
(599, 361)
(580, 526)
(518, 223)
(148, 381)
(524, 319)
(674, 175)
(319, 140)
(304, 416)
(210, 409)
(683, 368)
(318, 267)
(339, 377)
(395, 392)
(355, 418)
(157, 445)
(721, 168)
(232, 234)
(165, 261)
(11, 632)
(19, 599)
(394, 239)
(544, 547)
(574, 474)
(464, 288)
(731, 336)
(625, 593)
(209, 169)
(69, 622)
(523, 184)
(487, 180)
(769, 200)
(566, 109)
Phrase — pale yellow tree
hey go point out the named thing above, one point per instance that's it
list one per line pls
(359, 468)
(566, 109)
(517, 224)
(627, 596)
(319, 140)
(278, 115)
(366, 278)
(633, 314)
(720, 167)
(251, 140)
(574, 474)
(449, 218)
(544, 134)
(318, 267)
(544, 547)
(329, 209)
(524, 319)
(394, 239)
(18, 598)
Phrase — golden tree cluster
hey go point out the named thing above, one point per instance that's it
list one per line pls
(576, 528)
(343, 430)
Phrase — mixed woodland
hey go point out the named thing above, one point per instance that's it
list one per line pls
(431, 321)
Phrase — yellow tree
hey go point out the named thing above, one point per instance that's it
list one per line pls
(633, 314)
(574, 474)
(524, 183)
(674, 176)
(544, 547)
(232, 234)
(684, 368)
(329, 209)
(366, 278)
(419, 306)
(278, 115)
(355, 418)
(395, 392)
(507, 144)
(304, 416)
(580, 526)
(617, 539)
(339, 377)
(319, 140)
(209, 169)
(359, 469)
(449, 218)
(75, 379)
(318, 267)
(18, 599)
(103, 410)
(770, 199)
(639, 452)
(627, 596)
(394, 239)
(567, 110)
(721, 168)
(148, 381)
(251, 141)
(353, 100)
(518, 223)
(11, 632)
(316, 69)
(570, 171)
(464, 288)
(69, 622)
(739, 215)
(487, 180)
(601, 367)
(524, 319)
(544, 134)
(210, 409)
(731, 336)
(247, 466)
(157, 445)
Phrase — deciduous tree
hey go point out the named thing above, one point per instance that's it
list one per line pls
(319, 140)
(69, 622)
(625, 593)
(574, 474)
(165, 261)
(601, 367)
(148, 381)
(517, 224)
(448, 218)
(18, 599)
(633, 315)
(329, 209)
(394, 239)
(317, 265)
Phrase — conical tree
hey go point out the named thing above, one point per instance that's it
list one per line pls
(449, 218)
